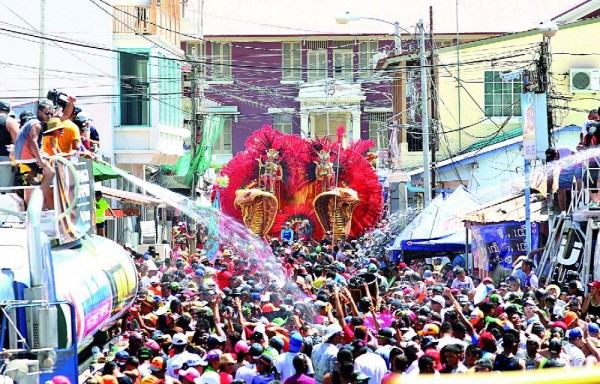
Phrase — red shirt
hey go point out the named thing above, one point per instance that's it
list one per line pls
(226, 378)
(224, 279)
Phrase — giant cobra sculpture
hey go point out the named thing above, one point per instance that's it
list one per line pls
(286, 178)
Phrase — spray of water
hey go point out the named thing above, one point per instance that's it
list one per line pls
(231, 234)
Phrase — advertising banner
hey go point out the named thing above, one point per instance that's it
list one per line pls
(528, 121)
(500, 244)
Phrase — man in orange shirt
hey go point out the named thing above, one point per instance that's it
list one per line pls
(70, 141)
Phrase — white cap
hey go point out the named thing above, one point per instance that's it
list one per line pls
(179, 339)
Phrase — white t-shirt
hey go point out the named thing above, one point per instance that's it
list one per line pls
(246, 373)
(467, 284)
(577, 356)
(372, 365)
(284, 364)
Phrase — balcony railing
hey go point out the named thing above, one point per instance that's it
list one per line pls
(147, 20)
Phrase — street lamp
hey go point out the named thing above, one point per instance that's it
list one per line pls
(347, 17)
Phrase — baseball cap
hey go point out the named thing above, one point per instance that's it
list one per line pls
(593, 328)
(386, 333)
(594, 284)
(122, 356)
(276, 342)
(213, 355)
(82, 117)
(476, 315)
(296, 343)
(179, 339)
(560, 324)
(256, 350)
(575, 333)
(570, 317)
(359, 346)
(60, 379)
(331, 331)
(157, 364)
(554, 346)
(430, 329)
(4, 105)
(439, 299)
(144, 353)
(428, 341)
(191, 374)
(153, 345)
(266, 359)
(241, 346)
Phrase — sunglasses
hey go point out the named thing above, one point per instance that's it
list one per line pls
(48, 113)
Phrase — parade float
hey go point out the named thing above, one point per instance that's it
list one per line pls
(317, 185)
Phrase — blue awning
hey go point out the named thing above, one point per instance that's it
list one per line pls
(451, 243)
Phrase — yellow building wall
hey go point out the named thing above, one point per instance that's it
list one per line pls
(509, 53)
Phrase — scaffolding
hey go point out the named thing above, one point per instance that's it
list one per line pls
(572, 243)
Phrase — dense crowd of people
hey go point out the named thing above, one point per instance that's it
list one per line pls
(334, 313)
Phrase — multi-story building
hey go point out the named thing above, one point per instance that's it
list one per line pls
(300, 82)
(479, 122)
(288, 64)
(147, 118)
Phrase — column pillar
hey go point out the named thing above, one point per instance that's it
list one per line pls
(356, 124)
(304, 123)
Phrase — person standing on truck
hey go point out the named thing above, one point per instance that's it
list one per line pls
(101, 207)
(9, 129)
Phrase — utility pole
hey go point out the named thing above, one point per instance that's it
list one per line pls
(194, 127)
(424, 116)
(197, 95)
(545, 82)
(42, 74)
(434, 95)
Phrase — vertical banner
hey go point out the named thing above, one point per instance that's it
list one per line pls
(528, 121)
(500, 244)
(78, 222)
(212, 236)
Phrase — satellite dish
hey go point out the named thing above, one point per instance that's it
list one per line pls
(17, 369)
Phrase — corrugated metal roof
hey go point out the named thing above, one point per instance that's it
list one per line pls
(502, 136)
(128, 197)
(509, 209)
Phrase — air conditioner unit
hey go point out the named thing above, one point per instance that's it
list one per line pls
(584, 80)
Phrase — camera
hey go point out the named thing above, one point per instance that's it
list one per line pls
(58, 98)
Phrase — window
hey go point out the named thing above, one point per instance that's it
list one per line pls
(501, 97)
(169, 88)
(378, 131)
(195, 50)
(223, 144)
(414, 138)
(134, 88)
(291, 61)
(366, 50)
(283, 122)
(343, 64)
(221, 61)
(317, 64)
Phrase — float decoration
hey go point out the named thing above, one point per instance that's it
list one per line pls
(302, 170)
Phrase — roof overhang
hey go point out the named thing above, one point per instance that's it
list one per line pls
(129, 197)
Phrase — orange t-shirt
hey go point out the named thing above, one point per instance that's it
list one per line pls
(50, 145)
(71, 133)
